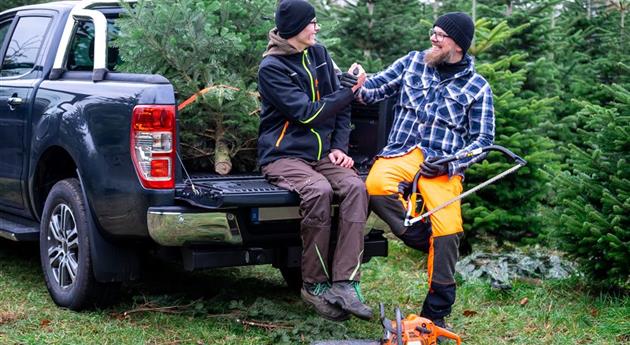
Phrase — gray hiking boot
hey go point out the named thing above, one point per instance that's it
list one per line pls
(313, 294)
(347, 295)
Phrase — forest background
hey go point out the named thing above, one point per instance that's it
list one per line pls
(559, 71)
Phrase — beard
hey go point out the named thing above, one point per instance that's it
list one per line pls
(433, 57)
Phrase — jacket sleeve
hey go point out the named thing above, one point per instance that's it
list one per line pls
(341, 132)
(386, 83)
(481, 119)
(279, 89)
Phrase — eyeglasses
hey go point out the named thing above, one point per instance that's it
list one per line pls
(315, 23)
(439, 36)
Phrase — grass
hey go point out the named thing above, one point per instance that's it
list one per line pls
(252, 306)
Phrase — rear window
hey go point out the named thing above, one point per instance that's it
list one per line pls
(81, 55)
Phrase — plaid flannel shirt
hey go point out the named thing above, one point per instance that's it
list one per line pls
(441, 117)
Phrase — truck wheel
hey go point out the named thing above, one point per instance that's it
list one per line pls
(293, 277)
(64, 249)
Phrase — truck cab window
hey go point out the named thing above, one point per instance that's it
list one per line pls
(24, 46)
(81, 55)
(4, 28)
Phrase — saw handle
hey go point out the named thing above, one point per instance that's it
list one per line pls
(465, 154)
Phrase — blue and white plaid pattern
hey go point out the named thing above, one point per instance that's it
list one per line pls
(441, 117)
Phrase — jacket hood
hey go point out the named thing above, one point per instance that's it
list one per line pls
(278, 45)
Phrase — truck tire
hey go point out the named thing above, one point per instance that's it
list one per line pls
(293, 277)
(64, 250)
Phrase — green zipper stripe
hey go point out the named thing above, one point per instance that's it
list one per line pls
(321, 260)
(314, 116)
(304, 57)
(356, 268)
(319, 139)
(319, 142)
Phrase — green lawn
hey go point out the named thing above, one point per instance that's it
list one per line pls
(252, 306)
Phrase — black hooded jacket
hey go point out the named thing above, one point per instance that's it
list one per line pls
(304, 112)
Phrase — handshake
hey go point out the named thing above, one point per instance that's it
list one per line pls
(354, 78)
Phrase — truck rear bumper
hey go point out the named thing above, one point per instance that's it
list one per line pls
(177, 226)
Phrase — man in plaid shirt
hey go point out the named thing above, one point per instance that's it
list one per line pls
(444, 107)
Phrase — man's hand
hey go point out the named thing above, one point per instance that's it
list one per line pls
(357, 71)
(338, 157)
(348, 80)
(429, 169)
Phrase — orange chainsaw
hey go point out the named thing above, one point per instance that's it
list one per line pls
(412, 330)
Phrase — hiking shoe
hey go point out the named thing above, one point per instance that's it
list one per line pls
(313, 294)
(347, 295)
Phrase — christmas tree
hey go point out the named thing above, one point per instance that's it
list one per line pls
(209, 50)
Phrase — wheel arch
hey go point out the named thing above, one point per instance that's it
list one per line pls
(54, 165)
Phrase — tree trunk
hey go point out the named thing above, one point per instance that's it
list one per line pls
(222, 162)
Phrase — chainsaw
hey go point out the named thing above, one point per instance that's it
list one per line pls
(410, 330)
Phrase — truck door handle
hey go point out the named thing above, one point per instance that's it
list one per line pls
(15, 101)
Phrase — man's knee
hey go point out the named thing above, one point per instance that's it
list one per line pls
(417, 236)
(376, 184)
(320, 188)
(354, 185)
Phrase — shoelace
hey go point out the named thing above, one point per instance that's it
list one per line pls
(319, 288)
(357, 289)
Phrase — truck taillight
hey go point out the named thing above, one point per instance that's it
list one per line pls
(153, 145)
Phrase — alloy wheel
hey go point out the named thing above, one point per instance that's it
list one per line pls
(63, 246)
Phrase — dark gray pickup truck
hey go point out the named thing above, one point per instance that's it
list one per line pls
(89, 167)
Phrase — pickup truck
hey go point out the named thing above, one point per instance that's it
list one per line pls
(89, 165)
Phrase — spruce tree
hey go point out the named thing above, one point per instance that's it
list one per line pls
(375, 33)
(510, 208)
(211, 49)
(7, 4)
(591, 219)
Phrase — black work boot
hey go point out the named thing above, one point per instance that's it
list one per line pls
(347, 295)
(313, 294)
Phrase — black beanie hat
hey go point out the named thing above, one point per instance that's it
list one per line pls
(292, 16)
(459, 26)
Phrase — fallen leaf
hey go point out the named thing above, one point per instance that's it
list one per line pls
(6, 317)
(524, 301)
(469, 313)
(44, 323)
(594, 312)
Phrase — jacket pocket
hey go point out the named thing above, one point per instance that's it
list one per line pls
(454, 110)
(414, 90)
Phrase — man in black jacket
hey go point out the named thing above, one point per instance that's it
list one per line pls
(302, 146)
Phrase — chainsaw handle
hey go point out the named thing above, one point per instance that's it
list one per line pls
(441, 332)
